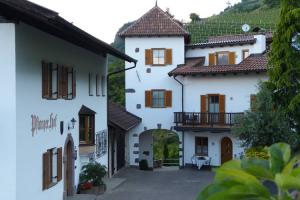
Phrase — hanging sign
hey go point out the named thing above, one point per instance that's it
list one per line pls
(47, 124)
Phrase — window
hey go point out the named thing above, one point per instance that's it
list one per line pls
(58, 82)
(91, 85)
(98, 85)
(86, 129)
(158, 56)
(103, 85)
(52, 167)
(158, 98)
(201, 146)
(213, 103)
(245, 54)
(223, 58)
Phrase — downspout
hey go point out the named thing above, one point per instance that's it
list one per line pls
(182, 110)
(107, 104)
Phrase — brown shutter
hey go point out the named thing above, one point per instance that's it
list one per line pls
(203, 109)
(60, 81)
(65, 82)
(222, 108)
(253, 102)
(148, 57)
(45, 80)
(168, 57)
(46, 170)
(168, 98)
(73, 83)
(212, 59)
(59, 164)
(148, 98)
(231, 58)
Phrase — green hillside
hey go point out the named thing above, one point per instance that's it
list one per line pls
(230, 22)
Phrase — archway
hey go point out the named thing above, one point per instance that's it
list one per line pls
(160, 148)
(226, 150)
(69, 166)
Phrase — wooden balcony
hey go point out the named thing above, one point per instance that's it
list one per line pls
(196, 121)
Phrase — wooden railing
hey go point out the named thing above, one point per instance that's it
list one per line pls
(205, 119)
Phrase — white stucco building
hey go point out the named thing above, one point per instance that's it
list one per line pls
(195, 90)
(54, 102)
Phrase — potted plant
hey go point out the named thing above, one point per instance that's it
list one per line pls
(91, 179)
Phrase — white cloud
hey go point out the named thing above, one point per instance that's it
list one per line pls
(103, 18)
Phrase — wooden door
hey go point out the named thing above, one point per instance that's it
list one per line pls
(226, 150)
(69, 170)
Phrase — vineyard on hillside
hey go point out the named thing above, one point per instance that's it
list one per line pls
(231, 23)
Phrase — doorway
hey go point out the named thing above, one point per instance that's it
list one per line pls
(69, 167)
(226, 150)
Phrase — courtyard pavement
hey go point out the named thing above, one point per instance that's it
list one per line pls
(158, 185)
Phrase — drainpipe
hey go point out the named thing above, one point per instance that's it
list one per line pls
(182, 110)
(107, 104)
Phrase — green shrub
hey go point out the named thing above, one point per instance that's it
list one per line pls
(143, 165)
(93, 173)
(257, 152)
(244, 179)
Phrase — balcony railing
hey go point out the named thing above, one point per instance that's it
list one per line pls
(197, 119)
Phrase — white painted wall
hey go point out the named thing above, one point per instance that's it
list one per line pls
(141, 81)
(33, 46)
(146, 146)
(214, 146)
(236, 88)
(258, 47)
(8, 110)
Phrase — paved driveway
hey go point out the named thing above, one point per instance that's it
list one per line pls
(159, 185)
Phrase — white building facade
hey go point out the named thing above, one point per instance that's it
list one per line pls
(56, 104)
(194, 90)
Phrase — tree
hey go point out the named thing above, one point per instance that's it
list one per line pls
(271, 3)
(285, 63)
(195, 17)
(244, 179)
(266, 125)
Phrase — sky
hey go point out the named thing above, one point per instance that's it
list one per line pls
(103, 18)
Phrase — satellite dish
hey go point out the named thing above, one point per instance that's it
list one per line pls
(246, 28)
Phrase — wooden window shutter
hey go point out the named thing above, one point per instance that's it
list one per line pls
(64, 82)
(148, 57)
(212, 59)
(253, 102)
(203, 109)
(222, 108)
(231, 58)
(59, 164)
(73, 83)
(45, 80)
(168, 57)
(168, 98)
(60, 81)
(46, 170)
(148, 98)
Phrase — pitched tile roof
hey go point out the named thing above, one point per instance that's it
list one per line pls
(155, 22)
(121, 118)
(254, 63)
(228, 40)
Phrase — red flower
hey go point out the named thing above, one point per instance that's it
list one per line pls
(86, 186)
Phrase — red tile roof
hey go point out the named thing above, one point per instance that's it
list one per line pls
(155, 22)
(120, 117)
(254, 63)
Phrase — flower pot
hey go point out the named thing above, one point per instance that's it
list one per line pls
(97, 190)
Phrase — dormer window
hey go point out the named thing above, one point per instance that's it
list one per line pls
(223, 58)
